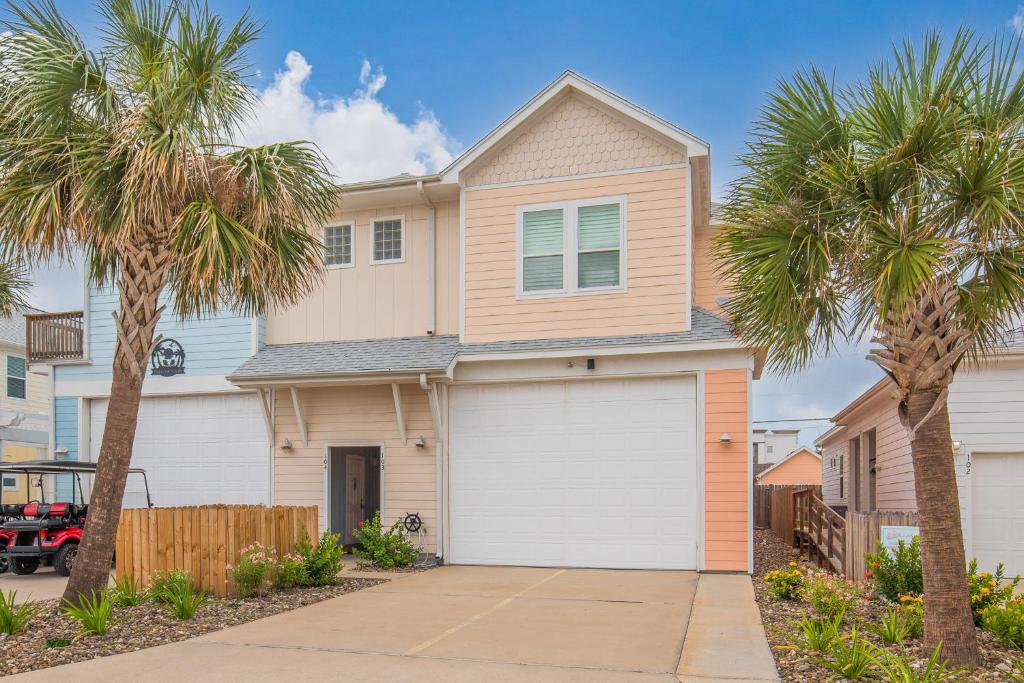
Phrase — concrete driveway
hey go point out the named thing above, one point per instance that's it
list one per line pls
(482, 623)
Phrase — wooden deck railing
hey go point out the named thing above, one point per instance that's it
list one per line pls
(819, 530)
(54, 336)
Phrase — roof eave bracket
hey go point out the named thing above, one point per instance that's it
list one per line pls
(300, 418)
(396, 394)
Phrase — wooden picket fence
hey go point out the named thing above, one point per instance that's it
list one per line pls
(863, 531)
(773, 508)
(204, 540)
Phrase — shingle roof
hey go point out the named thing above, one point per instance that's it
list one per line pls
(706, 326)
(399, 354)
(427, 354)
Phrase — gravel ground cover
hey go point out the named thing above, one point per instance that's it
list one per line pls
(147, 625)
(799, 665)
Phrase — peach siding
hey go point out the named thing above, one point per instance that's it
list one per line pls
(802, 468)
(895, 470)
(726, 471)
(573, 138)
(656, 258)
(370, 301)
(363, 415)
(708, 284)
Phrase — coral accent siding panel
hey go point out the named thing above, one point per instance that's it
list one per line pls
(358, 416)
(656, 258)
(368, 301)
(802, 468)
(726, 473)
(573, 138)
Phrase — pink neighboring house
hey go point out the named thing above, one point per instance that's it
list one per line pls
(802, 466)
(525, 351)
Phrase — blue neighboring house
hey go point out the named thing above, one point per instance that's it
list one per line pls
(201, 439)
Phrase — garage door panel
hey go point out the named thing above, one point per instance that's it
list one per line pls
(196, 450)
(997, 514)
(589, 473)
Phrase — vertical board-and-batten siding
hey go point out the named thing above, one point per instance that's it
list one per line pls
(214, 345)
(370, 301)
(65, 435)
(656, 256)
(358, 416)
(726, 471)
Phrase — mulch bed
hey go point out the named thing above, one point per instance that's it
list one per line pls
(799, 665)
(147, 625)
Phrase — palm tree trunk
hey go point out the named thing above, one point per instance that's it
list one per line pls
(142, 280)
(947, 613)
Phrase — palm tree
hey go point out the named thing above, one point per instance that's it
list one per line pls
(124, 152)
(891, 206)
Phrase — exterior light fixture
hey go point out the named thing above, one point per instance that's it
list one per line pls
(421, 442)
(287, 445)
(725, 438)
(60, 451)
(957, 445)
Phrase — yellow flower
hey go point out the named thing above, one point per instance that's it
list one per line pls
(792, 564)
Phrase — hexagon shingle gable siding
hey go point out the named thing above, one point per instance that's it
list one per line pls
(574, 138)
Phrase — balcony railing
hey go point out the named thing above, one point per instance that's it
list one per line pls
(51, 337)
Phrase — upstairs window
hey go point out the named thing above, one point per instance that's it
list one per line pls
(574, 247)
(388, 238)
(15, 377)
(338, 245)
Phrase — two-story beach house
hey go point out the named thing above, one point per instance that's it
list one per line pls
(524, 350)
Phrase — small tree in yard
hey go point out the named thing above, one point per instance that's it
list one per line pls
(892, 206)
(124, 152)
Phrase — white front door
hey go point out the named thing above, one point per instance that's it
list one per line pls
(997, 511)
(587, 473)
(196, 450)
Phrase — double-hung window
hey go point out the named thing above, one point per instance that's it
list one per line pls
(574, 247)
(388, 240)
(15, 377)
(338, 245)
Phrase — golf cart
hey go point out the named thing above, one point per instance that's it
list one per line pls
(40, 533)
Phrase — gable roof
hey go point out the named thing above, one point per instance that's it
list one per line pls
(572, 82)
(789, 456)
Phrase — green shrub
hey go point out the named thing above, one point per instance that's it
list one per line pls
(1006, 622)
(896, 626)
(897, 668)
(163, 583)
(897, 573)
(128, 592)
(54, 643)
(988, 589)
(253, 570)
(289, 572)
(92, 613)
(830, 596)
(818, 634)
(384, 549)
(851, 657)
(323, 561)
(14, 619)
(786, 584)
(182, 599)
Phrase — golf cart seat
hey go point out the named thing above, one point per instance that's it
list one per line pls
(41, 516)
(11, 511)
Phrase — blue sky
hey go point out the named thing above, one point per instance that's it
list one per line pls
(388, 87)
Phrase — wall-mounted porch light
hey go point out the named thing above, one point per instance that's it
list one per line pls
(421, 442)
(725, 438)
(287, 445)
(957, 445)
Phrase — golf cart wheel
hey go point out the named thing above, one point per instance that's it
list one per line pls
(24, 565)
(64, 562)
(5, 564)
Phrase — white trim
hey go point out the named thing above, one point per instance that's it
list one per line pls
(52, 403)
(152, 386)
(86, 299)
(578, 176)
(688, 190)
(570, 247)
(265, 409)
(373, 239)
(300, 418)
(610, 349)
(701, 540)
(462, 264)
(570, 82)
(396, 394)
(85, 429)
(351, 225)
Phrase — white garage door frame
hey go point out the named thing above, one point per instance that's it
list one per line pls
(699, 432)
(85, 410)
(973, 462)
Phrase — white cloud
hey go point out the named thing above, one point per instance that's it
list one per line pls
(1017, 20)
(361, 137)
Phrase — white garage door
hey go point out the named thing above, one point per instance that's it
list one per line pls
(997, 511)
(598, 473)
(196, 450)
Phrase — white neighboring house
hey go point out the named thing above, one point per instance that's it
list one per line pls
(866, 461)
(772, 445)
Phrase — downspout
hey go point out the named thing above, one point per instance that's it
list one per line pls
(432, 269)
(439, 455)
